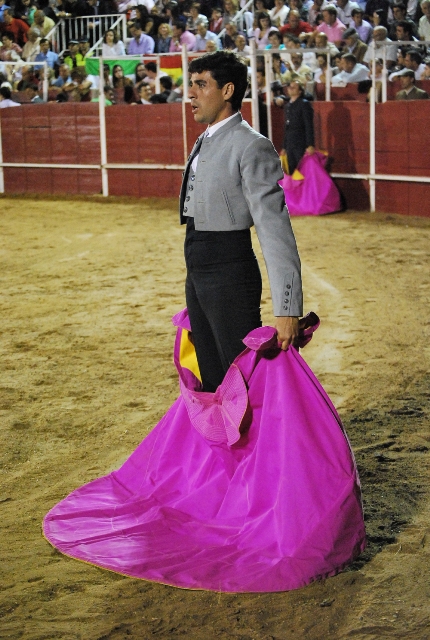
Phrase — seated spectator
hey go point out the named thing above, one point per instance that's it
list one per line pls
(119, 80)
(405, 31)
(344, 11)
(352, 71)
(331, 25)
(108, 96)
(112, 46)
(279, 13)
(362, 27)
(84, 48)
(215, 24)
(3, 7)
(315, 10)
(194, 17)
(264, 27)
(163, 39)
(79, 89)
(63, 76)
(279, 69)
(101, 8)
(46, 55)
(145, 93)
(5, 98)
(321, 42)
(203, 35)
(414, 62)
(424, 22)
(149, 27)
(409, 91)
(166, 85)
(75, 8)
(320, 74)
(275, 40)
(151, 73)
(31, 47)
(140, 43)
(44, 23)
(139, 73)
(379, 18)
(400, 15)
(181, 37)
(241, 48)
(426, 74)
(379, 40)
(372, 6)
(210, 46)
(28, 78)
(354, 45)
(295, 25)
(32, 93)
(231, 9)
(231, 33)
(297, 69)
(72, 56)
(299, 6)
(177, 93)
(10, 51)
(18, 28)
(25, 10)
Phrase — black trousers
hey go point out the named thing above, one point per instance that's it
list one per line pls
(223, 294)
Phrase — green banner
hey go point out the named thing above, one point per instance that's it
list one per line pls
(92, 65)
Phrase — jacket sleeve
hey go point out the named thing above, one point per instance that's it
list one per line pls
(261, 170)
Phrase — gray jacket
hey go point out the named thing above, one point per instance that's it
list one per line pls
(236, 187)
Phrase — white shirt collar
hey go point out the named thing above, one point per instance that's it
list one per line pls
(214, 127)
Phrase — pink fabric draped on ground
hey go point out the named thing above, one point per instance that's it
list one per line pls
(251, 489)
(316, 193)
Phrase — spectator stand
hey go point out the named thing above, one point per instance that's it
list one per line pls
(243, 19)
(90, 27)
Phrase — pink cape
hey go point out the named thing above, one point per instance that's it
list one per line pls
(316, 193)
(251, 489)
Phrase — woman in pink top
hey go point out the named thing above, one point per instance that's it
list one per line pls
(261, 33)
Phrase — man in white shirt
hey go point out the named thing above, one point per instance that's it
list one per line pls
(279, 13)
(344, 9)
(352, 71)
(5, 98)
(203, 35)
(424, 23)
(379, 41)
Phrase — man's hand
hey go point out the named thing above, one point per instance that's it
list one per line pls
(288, 331)
(310, 151)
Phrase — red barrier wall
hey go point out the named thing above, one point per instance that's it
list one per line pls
(69, 134)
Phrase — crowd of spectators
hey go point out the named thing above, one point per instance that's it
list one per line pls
(351, 34)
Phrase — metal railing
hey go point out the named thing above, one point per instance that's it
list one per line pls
(91, 27)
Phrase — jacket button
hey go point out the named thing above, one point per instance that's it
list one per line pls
(185, 209)
(187, 198)
(190, 188)
(285, 306)
(193, 178)
(286, 300)
(288, 286)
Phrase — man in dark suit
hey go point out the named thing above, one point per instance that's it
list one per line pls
(409, 90)
(299, 125)
(230, 184)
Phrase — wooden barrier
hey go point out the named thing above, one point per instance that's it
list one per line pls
(69, 133)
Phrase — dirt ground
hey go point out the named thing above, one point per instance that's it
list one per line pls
(87, 291)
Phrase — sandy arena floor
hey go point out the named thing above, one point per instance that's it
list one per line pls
(87, 291)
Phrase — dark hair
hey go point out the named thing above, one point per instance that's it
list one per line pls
(260, 16)
(128, 94)
(275, 32)
(115, 35)
(33, 87)
(399, 5)
(414, 55)
(356, 12)
(5, 92)
(9, 35)
(139, 64)
(166, 82)
(180, 25)
(143, 11)
(330, 9)
(382, 15)
(43, 40)
(151, 66)
(142, 84)
(224, 67)
(292, 38)
(350, 57)
(136, 24)
(407, 26)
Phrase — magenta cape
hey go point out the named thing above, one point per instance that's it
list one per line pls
(316, 193)
(251, 489)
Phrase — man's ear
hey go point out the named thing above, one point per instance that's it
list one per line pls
(228, 91)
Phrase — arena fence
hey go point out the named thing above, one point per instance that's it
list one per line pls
(379, 151)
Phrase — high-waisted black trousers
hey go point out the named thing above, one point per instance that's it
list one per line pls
(223, 294)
